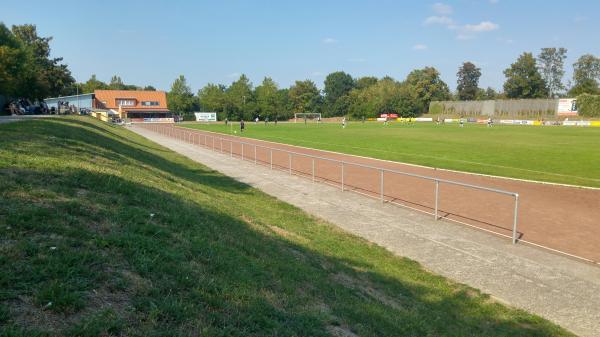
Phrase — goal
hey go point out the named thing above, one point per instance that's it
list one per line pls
(308, 116)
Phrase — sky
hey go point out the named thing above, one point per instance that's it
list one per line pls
(153, 42)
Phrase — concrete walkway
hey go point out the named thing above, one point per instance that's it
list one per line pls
(558, 288)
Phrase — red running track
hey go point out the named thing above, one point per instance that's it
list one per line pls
(562, 218)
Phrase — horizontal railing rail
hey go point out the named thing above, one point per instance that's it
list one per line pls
(187, 135)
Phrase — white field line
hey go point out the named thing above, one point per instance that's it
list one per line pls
(423, 166)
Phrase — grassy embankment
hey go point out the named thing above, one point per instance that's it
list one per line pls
(105, 233)
(566, 155)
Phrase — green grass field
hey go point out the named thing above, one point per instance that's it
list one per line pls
(103, 233)
(566, 155)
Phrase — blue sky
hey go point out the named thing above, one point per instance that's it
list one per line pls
(152, 42)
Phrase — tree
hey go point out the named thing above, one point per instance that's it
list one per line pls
(490, 94)
(523, 80)
(180, 99)
(468, 81)
(425, 85)
(13, 64)
(337, 85)
(586, 73)
(385, 96)
(267, 99)
(212, 98)
(305, 97)
(365, 82)
(116, 83)
(149, 88)
(239, 102)
(42, 76)
(93, 84)
(551, 66)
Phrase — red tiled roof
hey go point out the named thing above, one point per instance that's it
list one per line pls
(107, 99)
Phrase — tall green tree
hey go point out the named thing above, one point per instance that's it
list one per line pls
(180, 98)
(212, 98)
(305, 97)
(468, 81)
(267, 99)
(551, 64)
(44, 76)
(240, 101)
(586, 74)
(14, 60)
(523, 80)
(426, 85)
(337, 86)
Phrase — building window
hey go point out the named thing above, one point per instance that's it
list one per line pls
(149, 103)
(125, 102)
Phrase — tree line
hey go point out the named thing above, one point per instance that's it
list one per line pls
(28, 71)
(530, 76)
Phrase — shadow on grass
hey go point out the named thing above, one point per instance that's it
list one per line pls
(140, 260)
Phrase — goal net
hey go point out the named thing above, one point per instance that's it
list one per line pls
(307, 116)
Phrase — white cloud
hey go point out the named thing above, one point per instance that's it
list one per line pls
(419, 47)
(316, 74)
(493, 2)
(439, 20)
(483, 26)
(442, 9)
(329, 40)
(234, 75)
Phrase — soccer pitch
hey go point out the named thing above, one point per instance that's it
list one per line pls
(568, 155)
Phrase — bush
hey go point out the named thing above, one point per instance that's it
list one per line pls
(588, 105)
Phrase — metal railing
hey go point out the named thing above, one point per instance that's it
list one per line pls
(216, 144)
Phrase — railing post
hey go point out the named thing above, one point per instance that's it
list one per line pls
(242, 151)
(230, 148)
(221, 140)
(290, 162)
(342, 176)
(313, 170)
(437, 189)
(254, 154)
(514, 233)
(271, 158)
(213, 137)
(381, 186)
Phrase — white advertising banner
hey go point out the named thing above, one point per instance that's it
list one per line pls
(423, 119)
(567, 107)
(206, 116)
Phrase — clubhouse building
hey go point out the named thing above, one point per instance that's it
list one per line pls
(137, 106)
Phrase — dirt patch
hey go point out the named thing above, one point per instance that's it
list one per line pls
(287, 234)
(24, 312)
(366, 288)
(339, 331)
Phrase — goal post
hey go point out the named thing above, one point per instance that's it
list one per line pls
(308, 116)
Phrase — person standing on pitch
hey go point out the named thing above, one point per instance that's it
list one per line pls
(266, 121)
(344, 123)
(462, 122)
(242, 125)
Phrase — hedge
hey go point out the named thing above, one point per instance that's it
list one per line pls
(588, 105)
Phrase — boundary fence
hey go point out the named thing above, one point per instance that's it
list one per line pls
(248, 151)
